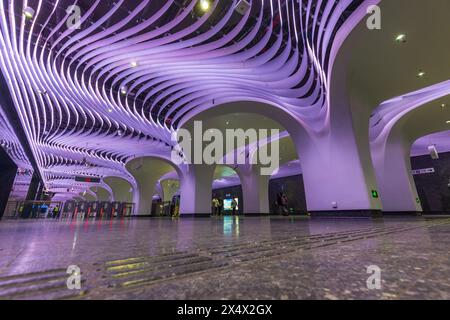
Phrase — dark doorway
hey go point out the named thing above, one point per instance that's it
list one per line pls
(8, 171)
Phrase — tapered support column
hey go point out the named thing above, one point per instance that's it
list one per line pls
(394, 174)
(336, 158)
(337, 176)
(196, 190)
(255, 189)
(147, 171)
(146, 185)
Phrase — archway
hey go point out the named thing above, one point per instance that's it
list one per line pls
(238, 137)
(227, 187)
(288, 181)
(102, 194)
(376, 80)
(121, 188)
(334, 178)
(147, 171)
(392, 155)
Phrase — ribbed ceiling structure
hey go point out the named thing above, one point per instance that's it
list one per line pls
(92, 98)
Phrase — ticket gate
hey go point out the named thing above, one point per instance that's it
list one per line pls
(97, 210)
(93, 209)
(81, 210)
(69, 209)
(116, 209)
(105, 210)
(127, 209)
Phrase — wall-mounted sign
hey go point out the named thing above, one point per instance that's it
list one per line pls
(423, 171)
(375, 194)
(87, 180)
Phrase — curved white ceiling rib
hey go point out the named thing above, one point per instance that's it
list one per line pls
(87, 109)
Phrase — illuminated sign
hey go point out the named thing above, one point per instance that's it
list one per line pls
(423, 171)
(87, 180)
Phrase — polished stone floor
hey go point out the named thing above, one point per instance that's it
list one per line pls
(227, 258)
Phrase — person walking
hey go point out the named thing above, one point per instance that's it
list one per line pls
(285, 205)
(278, 203)
(215, 206)
(220, 206)
(234, 205)
(56, 212)
(21, 208)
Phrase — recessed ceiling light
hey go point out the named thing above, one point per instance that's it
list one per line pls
(421, 74)
(124, 91)
(400, 38)
(443, 105)
(134, 64)
(28, 12)
(110, 110)
(205, 5)
(242, 7)
(448, 122)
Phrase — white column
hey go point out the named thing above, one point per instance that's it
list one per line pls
(255, 190)
(196, 190)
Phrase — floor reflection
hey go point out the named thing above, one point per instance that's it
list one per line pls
(415, 257)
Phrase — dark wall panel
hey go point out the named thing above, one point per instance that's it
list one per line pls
(433, 188)
(8, 171)
(231, 192)
(293, 188)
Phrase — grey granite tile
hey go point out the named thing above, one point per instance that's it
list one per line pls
(228, 258)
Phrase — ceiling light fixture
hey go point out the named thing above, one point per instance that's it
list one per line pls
(443, 105)
(124, 91)
(29, 12)
(448, 122)
(401, 38)
(421, 74)
(134, 64)
(205, 5)
(242, 7)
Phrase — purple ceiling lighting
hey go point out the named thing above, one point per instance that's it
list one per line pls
(392, 147)
(11, 144)
(440, 140)
(389, 112)
(92, 99)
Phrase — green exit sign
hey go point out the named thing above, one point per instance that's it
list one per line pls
(375, 194)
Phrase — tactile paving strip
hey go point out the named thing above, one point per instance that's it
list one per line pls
(46, 285)
(135, 272)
